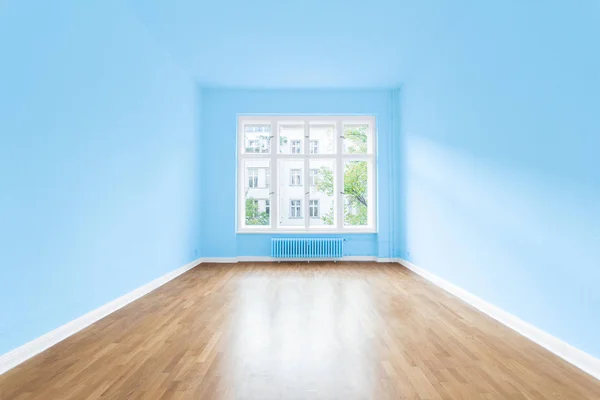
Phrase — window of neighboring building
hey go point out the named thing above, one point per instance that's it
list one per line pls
(252, 177)
(295, 177)
(313, 209)
(313, 174)
(295, 209)
(296, 147)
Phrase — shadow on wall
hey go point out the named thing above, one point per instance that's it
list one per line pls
(500, 233)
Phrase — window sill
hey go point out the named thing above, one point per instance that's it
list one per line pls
(305, 232)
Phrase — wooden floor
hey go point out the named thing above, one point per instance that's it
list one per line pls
(297, 331)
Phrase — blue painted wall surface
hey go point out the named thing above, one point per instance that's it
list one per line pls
(98, 162)
(289, 44)
(493, 183)
(219, 117)
(502, 131)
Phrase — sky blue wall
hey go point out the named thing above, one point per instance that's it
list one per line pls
(219, 117)
(501, 135)
(488, 171)
(98, 162)
(289, 44)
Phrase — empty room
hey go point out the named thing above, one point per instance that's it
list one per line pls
(258, 200)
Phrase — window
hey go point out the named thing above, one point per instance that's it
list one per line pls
(307, 174)
(256, 138)
(313, 175)
(256, 214)
(313, 209)
(295, 209)
(295, 177)
(253, 146)
(296, 146)
(252, 177)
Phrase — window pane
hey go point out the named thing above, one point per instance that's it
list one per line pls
(291, 139)
(322, 138)
(322, 193)
(257, 138)
(291, 193)
(256, 192)
(314, 147)
(356, 189)
(357, 139)
(313, 209)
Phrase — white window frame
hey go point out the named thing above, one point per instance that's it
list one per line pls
(313, 147)
(274, 156)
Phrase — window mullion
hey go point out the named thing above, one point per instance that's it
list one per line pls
(306, 149)
(339, 176)
(274, 190)
(241, 197)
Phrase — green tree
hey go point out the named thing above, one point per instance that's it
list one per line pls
(356, 139)
(355, 190)
(355, 181)
(253, 215)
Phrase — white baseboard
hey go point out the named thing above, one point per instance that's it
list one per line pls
(573, 355)
(36, 346)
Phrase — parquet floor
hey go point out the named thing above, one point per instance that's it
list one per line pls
(297, 331)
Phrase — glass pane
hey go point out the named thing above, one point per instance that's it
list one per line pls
(257, 138)
(321, 204)
(356, 191)
(291, 192)
(291, 139)
(257, 175)
(357, 139)
(321, 138)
